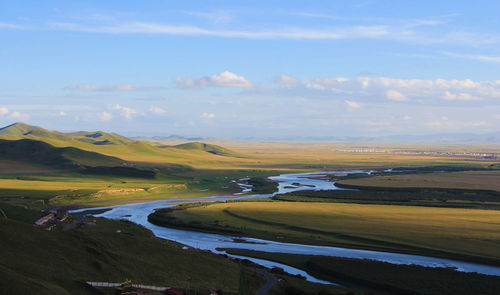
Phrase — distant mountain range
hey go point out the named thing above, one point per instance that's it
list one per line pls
(166, 138)
(432, 138)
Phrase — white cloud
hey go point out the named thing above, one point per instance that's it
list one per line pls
(207, 116)
(3, 110)
(216, 16)
(445, 123)
(395, 95)
(10, 26)
(326, 83)
(479, 57)
(105, 116)
(156, 110)
(377, 123)
(62, 114)
(408, 33)
(125, 111)
(420, 91)
(406, 118)
(476, 124)
(111, 88)
(461, 96)
(224, 79)
(369, 31)
(286, 80)
(19, 116)
(352, 104)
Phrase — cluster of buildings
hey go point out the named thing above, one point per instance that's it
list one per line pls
(127, 288)
(50, 220)
(474, 155)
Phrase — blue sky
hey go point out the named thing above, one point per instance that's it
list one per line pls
(252, 69)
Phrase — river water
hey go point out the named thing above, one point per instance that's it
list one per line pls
(138, 213)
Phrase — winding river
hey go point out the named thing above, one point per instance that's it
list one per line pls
(138, 213)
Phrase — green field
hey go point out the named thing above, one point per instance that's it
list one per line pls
(471, 180)
(468, 234)
(385, 278)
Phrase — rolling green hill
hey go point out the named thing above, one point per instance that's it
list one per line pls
(209, 148)
(144, 154)
(24, 131)
(34, 151)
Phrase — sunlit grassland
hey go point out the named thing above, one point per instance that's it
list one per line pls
(278, 156)
(470, 232)
(474, 180)
(316, 156)
(40, 190)
(188, 173)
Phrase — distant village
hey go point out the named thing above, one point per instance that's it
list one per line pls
(471, 155)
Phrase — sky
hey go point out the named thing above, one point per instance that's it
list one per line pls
(252, 69)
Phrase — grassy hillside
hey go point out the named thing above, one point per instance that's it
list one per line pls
(209, 148)
(59, 262)
(21, 130)
(33, 151)
(197, 155)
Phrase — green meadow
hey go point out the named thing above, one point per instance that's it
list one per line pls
(467, 234)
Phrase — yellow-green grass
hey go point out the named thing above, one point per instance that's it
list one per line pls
(331, 155)
(40, 190)
(470, 232)
(473, 180)
(265, 155)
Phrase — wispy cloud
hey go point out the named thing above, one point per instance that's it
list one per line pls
(287, 33)
(11, 26)
(479, 57)
(444, 123)
(207, 116)
(112, 88)
(125, 111)
(286, 80)
(395, 95)
(156, 110)
(352, 105)
(401, 30)
(105, 116)
(220, 16)
(224, 79)
(19, 116)
(401, 90)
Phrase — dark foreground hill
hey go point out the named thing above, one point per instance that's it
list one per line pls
(34, 151)
(38, 152)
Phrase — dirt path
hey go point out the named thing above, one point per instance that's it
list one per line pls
(270, 282)
(75, 223)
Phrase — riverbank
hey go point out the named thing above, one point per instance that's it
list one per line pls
(435, 232)
(379, 277)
